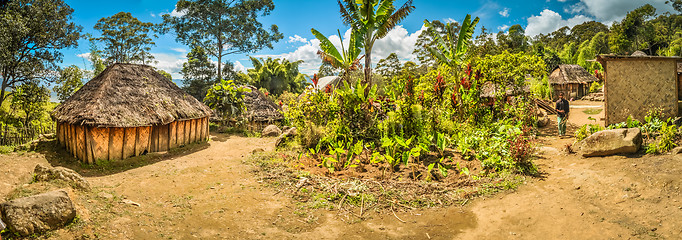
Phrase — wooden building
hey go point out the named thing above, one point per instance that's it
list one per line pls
(635, 84)
(573, 80)
(129, 110)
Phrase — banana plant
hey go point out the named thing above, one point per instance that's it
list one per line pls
(348, 60)
(446, 51)
(373, 19)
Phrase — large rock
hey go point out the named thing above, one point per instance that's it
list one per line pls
(610, 142)
(43, 173)
(39, 213)
(286, 136)
(271, 131)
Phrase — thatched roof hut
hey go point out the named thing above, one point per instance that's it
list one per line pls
(260, 108)
(490, 90)
(573, 80)
(128, 110)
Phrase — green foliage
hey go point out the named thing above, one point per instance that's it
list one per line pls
(226, 99)
(33, 33)
(389, 67)
(372, 19)
(514, 40)
(70, 80)
(276, 76)
(31, 99)
(586, 130)
(343, 60)
(668, 135)
(223, 27)
(541, 88)
(451, 50)
(165, 74)
(595, 86)
(126, 39)
(198, 73)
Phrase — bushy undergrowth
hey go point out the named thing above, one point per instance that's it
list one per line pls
(416, 114)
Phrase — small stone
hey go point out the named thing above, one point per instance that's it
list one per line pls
(126, 201)
(46, 173)
(676, 150)
(271, 131)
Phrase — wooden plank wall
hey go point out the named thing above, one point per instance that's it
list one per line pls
(90, 144)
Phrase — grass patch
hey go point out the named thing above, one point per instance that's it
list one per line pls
(592, 111)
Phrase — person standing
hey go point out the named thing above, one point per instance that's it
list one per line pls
(562, 108)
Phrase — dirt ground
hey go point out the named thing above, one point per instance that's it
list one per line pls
(207, 192)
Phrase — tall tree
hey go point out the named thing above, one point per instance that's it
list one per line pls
(373, 19)
(223, 27)
(515, 40)
(424, 40)
(633, 32)
(389, 66)
(32, 33)
(451, 49)
(276, 76)
(198, 73)
(346, 61)
(326, 69)
(32, 99)
(587, 30)
(126, 39)
(70, 80)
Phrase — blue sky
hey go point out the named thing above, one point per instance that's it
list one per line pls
(295, 18)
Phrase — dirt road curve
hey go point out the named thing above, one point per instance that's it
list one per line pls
(211, 194)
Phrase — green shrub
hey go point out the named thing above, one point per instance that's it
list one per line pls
(586, 130)
(595, 87)
(6, 149)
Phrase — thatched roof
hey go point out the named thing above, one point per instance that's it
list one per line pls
(567, 74)
(639, 54)
(129, 95)
(260, 108)
(490, 90)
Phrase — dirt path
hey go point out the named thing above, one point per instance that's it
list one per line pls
(211, 194)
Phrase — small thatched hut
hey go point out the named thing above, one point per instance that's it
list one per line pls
(261, 110)
(490, 90)
(573, 80)
(129, 110)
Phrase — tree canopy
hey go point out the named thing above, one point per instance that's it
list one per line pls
(126, 39)
(70, 80)
(32, 33)
(222, 28)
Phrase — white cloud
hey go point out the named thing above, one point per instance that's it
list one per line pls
(239, 67)
(503, 27)
(152, 14)
(171, 63)
(179, 50)
(297, 38)
(486, 10)
(450, 20)
(175, 13)
(549, 21)
(84, 55)
(504, 12)
(614, 10)
(398, 41)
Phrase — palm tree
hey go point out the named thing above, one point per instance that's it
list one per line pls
(347, 61)
(448, 52)
(373, 19)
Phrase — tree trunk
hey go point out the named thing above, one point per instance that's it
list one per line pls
(220, 57)
(368, 67)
